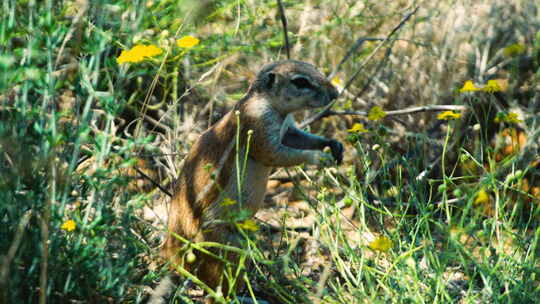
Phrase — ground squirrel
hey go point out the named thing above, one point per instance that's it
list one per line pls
(210, 174)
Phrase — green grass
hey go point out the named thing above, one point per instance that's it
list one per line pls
(458, 200)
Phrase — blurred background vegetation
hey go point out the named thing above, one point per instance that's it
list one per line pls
(423, 209)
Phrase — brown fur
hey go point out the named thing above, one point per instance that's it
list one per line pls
(195, 212)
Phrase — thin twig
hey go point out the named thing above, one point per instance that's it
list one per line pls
(179, 154)
(449, 201)
(153, 182)
(403, 21)
(8, 258)
(379, 67)
(353, 77)
(359, 42)
(75, 25)
(154, 82)
(284, 23)
(45, 220)
(428, 108)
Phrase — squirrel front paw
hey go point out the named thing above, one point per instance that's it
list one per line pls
(321, 159)
(337, 150)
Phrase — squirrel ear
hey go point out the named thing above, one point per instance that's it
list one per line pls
(268, 80)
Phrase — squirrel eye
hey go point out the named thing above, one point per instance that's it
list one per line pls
(302, 83)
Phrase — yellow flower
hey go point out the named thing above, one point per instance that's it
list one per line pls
(448, 115)
(482, 197)
(228, 202)
(514, 50)
(357, 128)
(501, 83)
(138, 53)
(392, 192)
(511, 117)
(150, 50)
(492, 86)
(187, 42)
(336, 81)
(468, 86)
(128, 56)
(381, 243)
(69, 225)
(376, 113)
(248, 225)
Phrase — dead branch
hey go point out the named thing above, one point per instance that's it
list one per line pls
(428, 108)
(359, 42)
(353, 77)
(284, 23)
(155, 183)
(8, 258)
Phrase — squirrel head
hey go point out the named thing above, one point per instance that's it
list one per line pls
(292, 85)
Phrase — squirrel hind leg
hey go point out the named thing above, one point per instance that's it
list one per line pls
(212, 272)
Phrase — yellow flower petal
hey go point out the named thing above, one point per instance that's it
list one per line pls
(152, 50)
(376, 113)
(128, 56)
(336, 81)
(248, 225)
(187, 42)
(138, 53)
(228, 202)
(448, 115)
(502, 83)
(381, 243)
(482, 197)
(468, 86)
(511, 118)
(492, 86)
(69, 225)
(357, 128)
